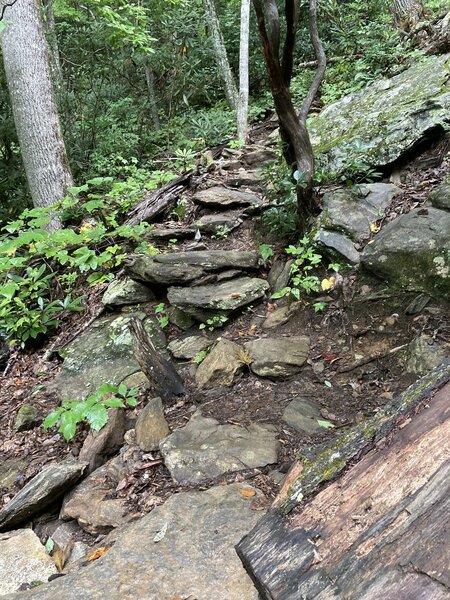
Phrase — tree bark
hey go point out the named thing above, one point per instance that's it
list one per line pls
(220, 52)
(50, 26)
(27, 69)
(242, 112)
(407, 13)
(150, 79)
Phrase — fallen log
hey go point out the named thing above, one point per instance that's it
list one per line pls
(378, 530)
(164, 380)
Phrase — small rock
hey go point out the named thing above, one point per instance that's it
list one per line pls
(79, 551)
(281, 315)
(424, 354)
(259, 157)
(44, 489)
(23, 560)
(203, 449)
(280, 274)
(303, 415)
(224, 197)
(189, 347)
(179, 318)
(151, 426)
(212, 223)
(65, 533)
(278, 357)
(100, 445)
(10, 470)
(127, 291)
(221, 365)
(27, 417)
(340, 244)
(243, 179)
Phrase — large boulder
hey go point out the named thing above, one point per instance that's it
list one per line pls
(206, 301)
(413, 252)
(182, 549)
(384, 121)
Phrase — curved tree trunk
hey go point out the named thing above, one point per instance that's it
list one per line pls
(407, 12)
(221, 54)
(242, 112)
(26, 62)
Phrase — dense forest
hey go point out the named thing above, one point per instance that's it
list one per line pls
(224, 286)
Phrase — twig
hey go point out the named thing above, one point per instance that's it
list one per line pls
(370, 359)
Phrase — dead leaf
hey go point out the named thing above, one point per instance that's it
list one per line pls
(61, 555)
(374, 228)
(97, 553)
(328, 284)
(251, 330)
(247, 492)
(235, 295)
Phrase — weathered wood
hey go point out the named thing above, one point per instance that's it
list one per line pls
(155, 203)
(381, 529)
(164, 379)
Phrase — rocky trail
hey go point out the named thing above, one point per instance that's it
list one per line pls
(152, 506)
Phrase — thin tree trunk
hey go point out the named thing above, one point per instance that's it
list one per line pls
(220, 52)
(26, 62)
(150, 79)
(242, 112)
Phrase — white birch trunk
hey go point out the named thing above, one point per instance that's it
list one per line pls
(26, 62)
(220, 52)
(242, 111)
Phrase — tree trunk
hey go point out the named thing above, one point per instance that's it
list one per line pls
(26, 62)
(242, 112)
(150, 79)
(221, 54)
(55, 62)
(407, 13)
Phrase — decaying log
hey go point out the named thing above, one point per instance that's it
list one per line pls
(164, 379)
(380, 529)
(156, 202)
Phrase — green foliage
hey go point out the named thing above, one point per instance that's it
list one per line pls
(93, 410)
(302, 281)
(200, 356)
(280, 189)
(221, 232)
(266, 251)
(162, 317)
(40, 269)
(214, 322)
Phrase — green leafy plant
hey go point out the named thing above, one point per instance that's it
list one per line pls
(200, 356)
(214, 322)
(221, 233)
(162, 317)
(302, 281)
(93, 410)
(266, 251)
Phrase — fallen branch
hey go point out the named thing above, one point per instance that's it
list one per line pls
(369, 359)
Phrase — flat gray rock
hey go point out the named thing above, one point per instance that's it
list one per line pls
(188, 347)
(194, 557)
(102, 354)
(278, 357)
(339, 244)
(23, 560)
(303, 415)
(212, 223)
(225, 198)
(126, 291)
(209, 300)
(259, 156)
(151, 426)
(203, 449)
(413, 252)
(221, 366)
(352, 210)
(280, 273)
(245, 179)
(185, 267)
(381, 123)
(41, 491)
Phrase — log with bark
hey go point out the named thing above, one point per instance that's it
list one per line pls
(380, 530)
(164, 380)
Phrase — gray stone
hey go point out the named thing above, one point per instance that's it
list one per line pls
(230, 274)
(221, 366)
(353, 210)
(280, 274)
(205, 301)
(127, 291)
(243, 179)
(440, 196)
(100, 445)
(23, 560)
(189, 347)
(204, 449)
(195, 556)
(225, 198)
(102, 354)
(27, 417)
(278, 357)
(338, 244)
(10, 470)
(413, 252)
(303, 415)
(44, 489)
(171, 233)
(424, 354)
(65, 533)
(214, 222)
(89, 504)
(179, 318)
(151, 426)
(185, 267)
(281, 315)
(259, 156)
(385, 120)
(79, 551)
